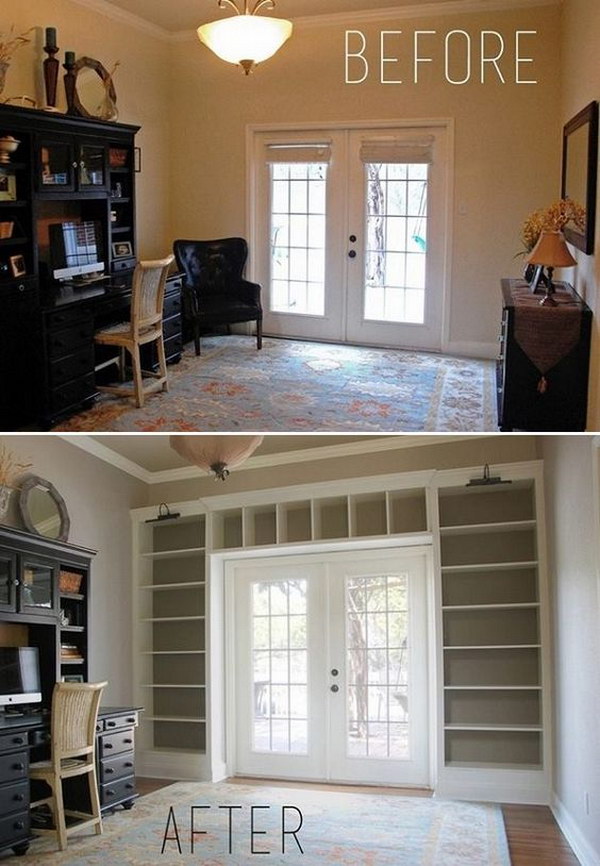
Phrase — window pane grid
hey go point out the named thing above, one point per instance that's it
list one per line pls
(396, 247)
(280, 655)
(377, 661)
(298, 212)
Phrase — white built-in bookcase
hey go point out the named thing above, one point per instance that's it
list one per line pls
(489, 606)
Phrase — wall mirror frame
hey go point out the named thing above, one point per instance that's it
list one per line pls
(105, 92)
(43, 510)
(580, 173)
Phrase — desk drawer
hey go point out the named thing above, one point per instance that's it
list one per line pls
(174, 347)
(117, 768)
(13, 829)
(12, 742)
(14, 766)
(114, 744)
(172, 305)
(72, 367)
(172, 327)
(115, 722)
(14, 798)
(73, 393)
(68, 317)
(115, 792)
(61, 343)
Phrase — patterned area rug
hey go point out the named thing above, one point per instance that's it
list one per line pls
(302, 386)
(337, 828)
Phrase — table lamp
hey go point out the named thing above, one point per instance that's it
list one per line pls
(551, 251)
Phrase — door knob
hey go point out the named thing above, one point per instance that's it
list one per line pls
(334, 672)
(352, 239)
(335, 689)
(352, 254)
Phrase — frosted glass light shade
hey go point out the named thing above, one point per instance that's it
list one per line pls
(242, 38)
(217, 454)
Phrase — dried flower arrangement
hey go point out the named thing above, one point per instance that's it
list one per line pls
(10, 468)
(9, 43)
(551, 219)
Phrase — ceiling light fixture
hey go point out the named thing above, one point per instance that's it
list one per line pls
(216, 454)
(246, 39)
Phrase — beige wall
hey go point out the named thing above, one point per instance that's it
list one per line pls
(98, 499)
(507, 139)
(472, 452)
(573, 557)
(142, 82)
(581, 85)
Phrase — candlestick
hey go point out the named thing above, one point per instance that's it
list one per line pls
(70, 81)
(69, 58)
(51, 66)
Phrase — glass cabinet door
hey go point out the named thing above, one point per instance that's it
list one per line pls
(91, 171)
(8, 581)
(56, 167)
(37, 589)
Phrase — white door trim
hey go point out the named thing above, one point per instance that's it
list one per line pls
(446, 123)
(222, 568)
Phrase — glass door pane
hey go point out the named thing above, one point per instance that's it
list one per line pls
(396, 242)
(56, 166)
(298, 213)
(280, 670)
(92, 166)
(37, 586)
(7, 583)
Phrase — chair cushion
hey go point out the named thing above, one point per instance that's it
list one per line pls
(213, 309)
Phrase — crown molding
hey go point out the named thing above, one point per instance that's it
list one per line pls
(367, 16)
(388, 442)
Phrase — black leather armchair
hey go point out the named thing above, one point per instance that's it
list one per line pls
(215, 292)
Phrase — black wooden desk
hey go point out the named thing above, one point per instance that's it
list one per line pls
(25, 737)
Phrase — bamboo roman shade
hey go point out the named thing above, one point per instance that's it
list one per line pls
(395, 150)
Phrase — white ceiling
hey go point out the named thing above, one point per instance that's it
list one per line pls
(189, 14)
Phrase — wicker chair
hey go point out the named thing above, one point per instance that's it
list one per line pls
(74, 717)
(148, 292)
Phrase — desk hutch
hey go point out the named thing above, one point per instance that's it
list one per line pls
(36, 611)
(65, 168)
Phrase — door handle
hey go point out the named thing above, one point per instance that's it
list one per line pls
(352, 239)
(334, 672)
(335, 689)
(352, 254)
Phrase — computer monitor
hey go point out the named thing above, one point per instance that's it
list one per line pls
(75, 249)
(19, 676)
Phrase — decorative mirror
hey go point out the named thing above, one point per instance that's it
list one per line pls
(580, 173)
(43, 509)
(95, 94)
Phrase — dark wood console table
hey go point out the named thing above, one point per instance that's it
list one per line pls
(543, 368)
(22, 736)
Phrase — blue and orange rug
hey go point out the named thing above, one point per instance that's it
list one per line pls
(296, 386)
(336, 828)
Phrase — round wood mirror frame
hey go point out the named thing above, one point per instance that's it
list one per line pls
(34, 482)
(102, 72)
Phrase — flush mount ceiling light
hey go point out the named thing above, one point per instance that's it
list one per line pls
(216, 454)
(246, 39)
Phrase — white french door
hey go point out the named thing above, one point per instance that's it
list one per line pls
(350, 234)
(331, 667)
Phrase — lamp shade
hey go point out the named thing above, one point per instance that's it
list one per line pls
(216, 454)
(552, 251)
(245, 39)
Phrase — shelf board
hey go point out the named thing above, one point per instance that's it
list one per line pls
(171, 618)
(72, 661)
(74, 628)
(120, 230)
(175, 554)
(522, 605)
(157, 587)
(493, 688)
(73, 596)
(478, 528)
(17, 203)
(187, 719)
(15, 166)
(490, 566)
(17, 242)
(172, 686)
(120, 200)
(497, 646)
(173, 652)
(491, 727)
(120, 169)
(474, 765)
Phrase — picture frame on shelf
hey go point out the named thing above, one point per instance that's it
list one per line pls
(8, 186)
(122, 249)
(18, 268)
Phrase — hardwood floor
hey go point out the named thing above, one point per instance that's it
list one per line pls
(533, 835)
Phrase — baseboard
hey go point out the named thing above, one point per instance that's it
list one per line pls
(580, 845)
(472, 349)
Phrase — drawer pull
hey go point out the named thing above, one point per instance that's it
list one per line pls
(18, 798)
(109, 771)
(111, 724)
(108, 745)
(19, 825)
(21, 287)
(128, 740)
(110, 792)
(128, 764)
(18, 766)
(129, 786)
(131, 721)
(18, 741)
